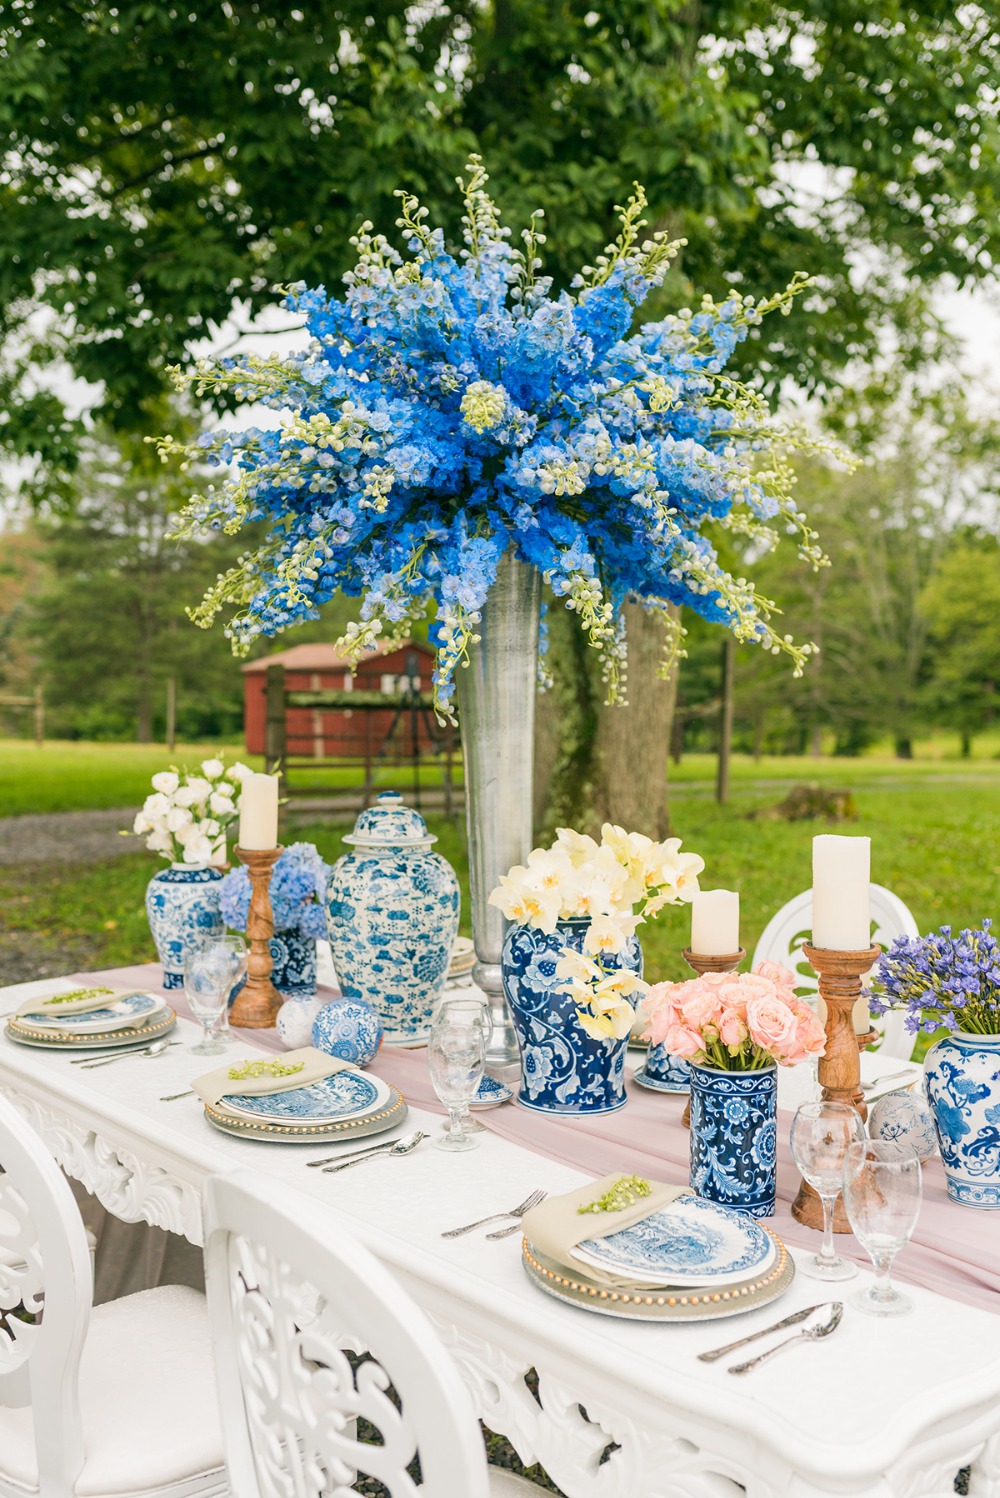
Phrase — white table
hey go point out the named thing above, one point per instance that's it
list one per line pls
(883, 1409)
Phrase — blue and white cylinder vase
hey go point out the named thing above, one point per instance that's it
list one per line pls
(962, 1076)
(294, 959)
(734, 1137)
(392, 913)
(563, 1069)
(182, 906)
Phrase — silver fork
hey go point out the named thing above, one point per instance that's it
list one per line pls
(526, 1206)
(515, 1227)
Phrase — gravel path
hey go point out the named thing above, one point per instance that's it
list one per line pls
(66, 837)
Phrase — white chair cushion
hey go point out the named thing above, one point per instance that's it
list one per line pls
(148, 1399)
(505, 1484)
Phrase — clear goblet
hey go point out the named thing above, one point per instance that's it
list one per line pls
(470, 1010)
(233, 949)
(821, 1133)
(207, 983)
(456, 1052)
(882, 1193)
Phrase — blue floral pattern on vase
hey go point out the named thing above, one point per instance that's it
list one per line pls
(392, 912)
(347, 1029)
(962, 1075)
(734, 1137)
(661, 1072)
(294, 959)
(182, 907)
(563, 1069)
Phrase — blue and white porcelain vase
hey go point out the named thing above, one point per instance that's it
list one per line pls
(661, 1072)
(734, 1137)
(392, 912)
(182, 906)
(962, 1076)
(294, 959)
(563, 1069)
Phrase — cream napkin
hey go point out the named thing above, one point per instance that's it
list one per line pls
(269, 1074)
(556, 1227)
(76, 1001)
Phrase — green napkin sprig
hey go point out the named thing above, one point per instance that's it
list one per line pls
(625, 1191)
(76, 994)
(252, 1069)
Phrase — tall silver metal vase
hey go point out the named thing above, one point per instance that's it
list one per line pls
(496, 697)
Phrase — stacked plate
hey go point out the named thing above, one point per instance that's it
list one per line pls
(128, 1019)
(691, 1261)
(463, 959)
(348, 1105)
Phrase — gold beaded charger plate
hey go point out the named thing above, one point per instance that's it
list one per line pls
(392, 1112)
(667, 1304)
(110, 1040)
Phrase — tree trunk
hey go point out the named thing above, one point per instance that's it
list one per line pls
(904, 746)
(966, 744)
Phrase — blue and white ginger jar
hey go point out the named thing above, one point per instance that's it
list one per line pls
(563, 1069)
(962, 1076)
(182, 906)
(348, 1029)
(294, 959)
(734, 1137)
(392, 912)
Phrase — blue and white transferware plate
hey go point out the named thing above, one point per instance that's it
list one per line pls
(690, 1242)
(490, 1094)
(117, 1014)
(347, 1094)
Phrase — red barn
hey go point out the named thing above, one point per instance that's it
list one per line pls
(340, 733)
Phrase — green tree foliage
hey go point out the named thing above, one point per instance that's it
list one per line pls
(164, 160)
(962, 607)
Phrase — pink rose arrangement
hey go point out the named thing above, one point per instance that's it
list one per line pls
(733, 1021)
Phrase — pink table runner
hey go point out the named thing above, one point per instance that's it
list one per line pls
(956, 1250)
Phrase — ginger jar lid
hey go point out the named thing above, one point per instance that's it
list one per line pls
(390, 823)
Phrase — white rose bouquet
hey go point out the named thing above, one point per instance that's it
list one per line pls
(186, 816)
(614, 885)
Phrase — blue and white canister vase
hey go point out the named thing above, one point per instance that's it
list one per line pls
(734, 1137)
(392, 914)
(962, 1077)
(294, 959)
(563, 1069)
(182, 907)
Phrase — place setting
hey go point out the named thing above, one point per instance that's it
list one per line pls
(91, 1019)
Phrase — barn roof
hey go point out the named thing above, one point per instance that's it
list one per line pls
(320, 657)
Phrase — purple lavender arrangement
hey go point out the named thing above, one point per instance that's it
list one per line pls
(298, 893)
(942, 980)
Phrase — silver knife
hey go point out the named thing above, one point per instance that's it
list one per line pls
(792, 1320)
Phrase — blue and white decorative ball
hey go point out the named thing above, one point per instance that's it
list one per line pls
(903, 1118)
(295, 1021)
(348, 1029)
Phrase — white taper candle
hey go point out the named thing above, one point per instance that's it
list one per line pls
(259, 812)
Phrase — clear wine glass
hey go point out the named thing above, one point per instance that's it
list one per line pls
(821, 1134)
(234, 949)
(473, 1011)
(456, 1052)
(207, 984)
(882, 1193)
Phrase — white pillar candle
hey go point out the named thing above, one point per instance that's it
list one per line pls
(715, 922)
(841, 918)
(259, 812)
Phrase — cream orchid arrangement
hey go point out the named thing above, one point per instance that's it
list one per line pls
(614, 885)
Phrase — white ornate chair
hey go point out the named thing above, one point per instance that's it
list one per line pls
(784, 934)
(114, 1400)
(289, 1294)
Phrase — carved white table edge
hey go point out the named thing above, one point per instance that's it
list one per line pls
(663, 1450)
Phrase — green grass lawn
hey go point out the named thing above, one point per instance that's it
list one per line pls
(934, 825)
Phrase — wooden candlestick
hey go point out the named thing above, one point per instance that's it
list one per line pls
(704, 964)
(258, 1001)
(839, 1069)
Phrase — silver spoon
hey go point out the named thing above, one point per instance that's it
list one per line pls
(401, 1147)
(808, 1334)
(156, 1049)
(894, 1076)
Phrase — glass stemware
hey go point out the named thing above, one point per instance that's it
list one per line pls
(456, 1053)
(208, 979)
(821, 1134)
(234, 948)
(471, 1011)
(882, 1194)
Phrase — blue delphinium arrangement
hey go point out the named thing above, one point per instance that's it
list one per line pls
(942, 980)
(298, 893)
(449, 406)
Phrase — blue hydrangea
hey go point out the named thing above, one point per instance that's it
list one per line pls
(450, 406)
(298, 893)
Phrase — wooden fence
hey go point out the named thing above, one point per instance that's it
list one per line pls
(36, 704)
